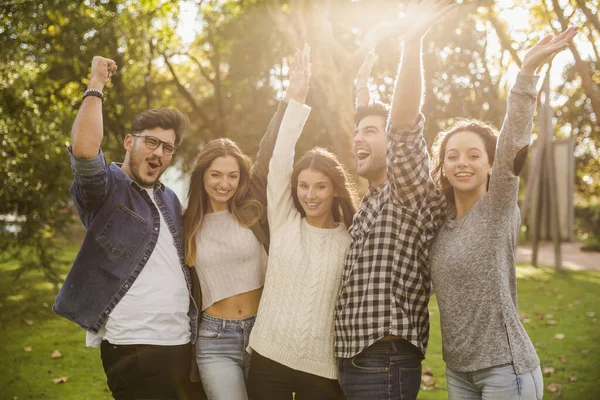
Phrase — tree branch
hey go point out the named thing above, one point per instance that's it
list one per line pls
(505, 40)
(589, 15)
(186, 94)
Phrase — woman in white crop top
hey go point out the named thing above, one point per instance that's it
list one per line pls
(226, 242)
(310, 206)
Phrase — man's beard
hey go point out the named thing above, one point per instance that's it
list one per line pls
(137, 163)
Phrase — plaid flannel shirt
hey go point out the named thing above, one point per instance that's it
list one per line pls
(386, 282)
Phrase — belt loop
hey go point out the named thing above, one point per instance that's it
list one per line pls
(393, 346)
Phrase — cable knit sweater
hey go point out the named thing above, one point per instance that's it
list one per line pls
(294, 325)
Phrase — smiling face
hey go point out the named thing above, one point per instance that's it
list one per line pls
(221, 180)
(466, 164)
(369, 148)
(142, 164)
(315, 193)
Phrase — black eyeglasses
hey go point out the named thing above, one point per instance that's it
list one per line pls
(154, 143)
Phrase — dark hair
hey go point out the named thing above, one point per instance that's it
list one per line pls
(165, 118)
(319, 159)
(487, 133)
(374, 108)
(198, 199)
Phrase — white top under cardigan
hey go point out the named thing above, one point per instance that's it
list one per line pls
(294, 325)
(230, 260)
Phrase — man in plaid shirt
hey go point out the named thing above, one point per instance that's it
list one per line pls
(382, 320)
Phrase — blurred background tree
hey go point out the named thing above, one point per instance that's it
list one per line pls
(223, 62)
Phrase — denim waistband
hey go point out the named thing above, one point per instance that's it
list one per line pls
(224, 323)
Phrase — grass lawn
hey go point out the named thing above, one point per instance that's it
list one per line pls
(551, 304)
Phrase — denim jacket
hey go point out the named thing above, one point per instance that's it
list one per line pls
(122, 226)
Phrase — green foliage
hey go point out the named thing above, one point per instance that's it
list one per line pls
(47, 48)
(229, 78)
(587, 221)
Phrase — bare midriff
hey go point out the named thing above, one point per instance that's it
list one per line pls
(236, 307)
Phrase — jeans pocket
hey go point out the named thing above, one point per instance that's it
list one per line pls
(209, 330)
(372, 362)
(409, 380)
(538, 381)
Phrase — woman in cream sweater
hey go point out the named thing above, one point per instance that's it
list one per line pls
(310, 206)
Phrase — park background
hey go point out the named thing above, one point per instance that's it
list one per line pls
(224, 63)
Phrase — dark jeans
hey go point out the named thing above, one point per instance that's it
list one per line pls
(142, 371)
(384, 370)
(269, 380)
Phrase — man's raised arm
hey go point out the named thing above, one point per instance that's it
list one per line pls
(406, 102)
(87, 131)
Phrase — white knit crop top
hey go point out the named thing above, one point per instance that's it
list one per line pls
(230, 259)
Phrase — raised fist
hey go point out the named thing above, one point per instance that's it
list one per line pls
(102, 70)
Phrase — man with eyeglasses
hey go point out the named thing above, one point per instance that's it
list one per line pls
(129, 287)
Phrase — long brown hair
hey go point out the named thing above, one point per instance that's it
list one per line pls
(487, 133)
(318, 159)
(198, 199)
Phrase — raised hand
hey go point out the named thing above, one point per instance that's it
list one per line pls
(102, 70)
(421, 15)
(364, 73)
(362, 78)
(299, 76)
(545, 48)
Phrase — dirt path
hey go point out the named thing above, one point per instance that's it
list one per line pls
(573, 257)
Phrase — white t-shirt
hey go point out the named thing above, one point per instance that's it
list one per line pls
(155, 309)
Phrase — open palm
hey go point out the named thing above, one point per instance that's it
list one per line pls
(299, 76)
(546, 48)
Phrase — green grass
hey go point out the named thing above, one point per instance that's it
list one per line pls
(28, 375)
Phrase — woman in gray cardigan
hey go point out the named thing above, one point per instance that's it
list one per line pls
(487, 352)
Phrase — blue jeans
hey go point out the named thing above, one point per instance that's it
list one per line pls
(385, 370)
(496, 383)
(222, 358)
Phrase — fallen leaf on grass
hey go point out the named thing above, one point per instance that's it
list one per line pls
(27, 349)
(572, 379)
(427, 382)
(559, 336)
(551, 322)
(590, 314)
(576, 302)
(548, 370)
(28, 322)
(62, 379)
(548, 316)
(56, 354)
(553, 387)
(563, 359)
(428, 371)
(524, 317)
(554, 308)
